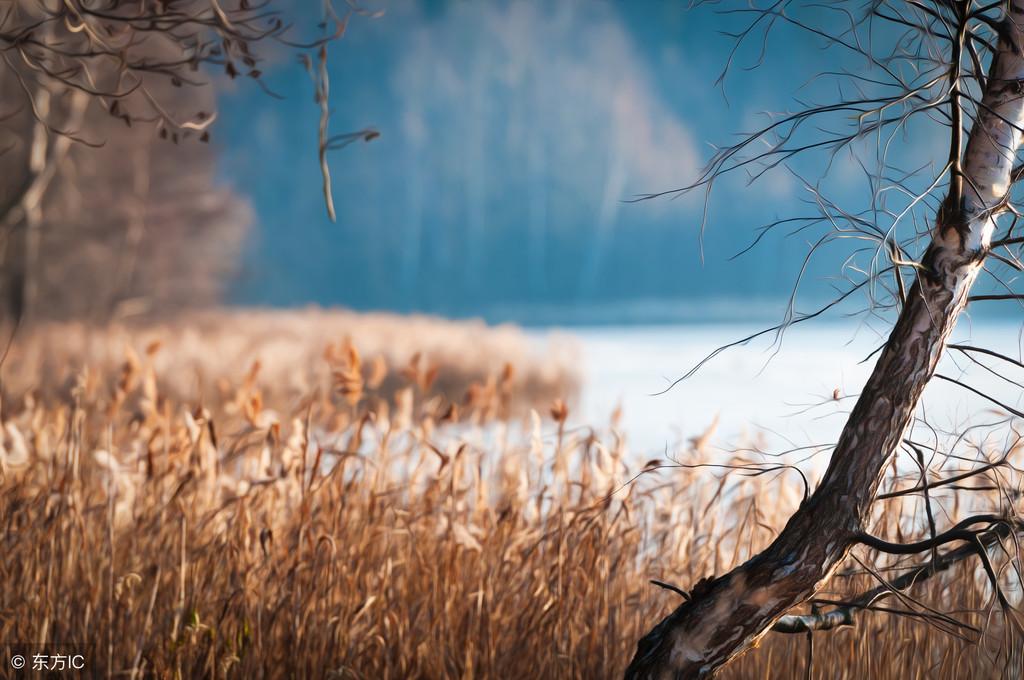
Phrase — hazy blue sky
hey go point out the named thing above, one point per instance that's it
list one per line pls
(512, 134)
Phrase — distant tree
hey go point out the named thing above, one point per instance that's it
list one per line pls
(953, 66)
(89, 89)
(137, 226)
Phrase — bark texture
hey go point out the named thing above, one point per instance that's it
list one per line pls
(728, 614)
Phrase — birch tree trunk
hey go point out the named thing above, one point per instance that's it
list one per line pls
(729, 614)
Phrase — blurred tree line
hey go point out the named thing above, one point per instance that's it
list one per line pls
(109, 201)
(135, 225)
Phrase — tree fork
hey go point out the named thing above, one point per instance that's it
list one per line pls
(727, 615)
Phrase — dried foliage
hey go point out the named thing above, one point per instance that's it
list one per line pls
(114, 52)
(261, 532)
(293, 354)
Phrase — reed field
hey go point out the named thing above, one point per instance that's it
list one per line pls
(301, 495)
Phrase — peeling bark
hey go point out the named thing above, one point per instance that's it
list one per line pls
(728, 614)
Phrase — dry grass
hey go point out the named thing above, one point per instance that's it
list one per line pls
(343, 533)
(294, 352)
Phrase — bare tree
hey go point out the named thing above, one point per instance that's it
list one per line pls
(955, 65)
(137, 226)
(68, 66)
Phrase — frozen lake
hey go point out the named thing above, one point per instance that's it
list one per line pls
(784, 395)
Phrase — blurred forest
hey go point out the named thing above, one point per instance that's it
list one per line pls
(110, 202)
(135, 225)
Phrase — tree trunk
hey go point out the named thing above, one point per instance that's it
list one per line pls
(21, 223)
(729, 614)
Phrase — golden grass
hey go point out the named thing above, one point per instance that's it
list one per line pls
(349, 532)
(293, 351)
